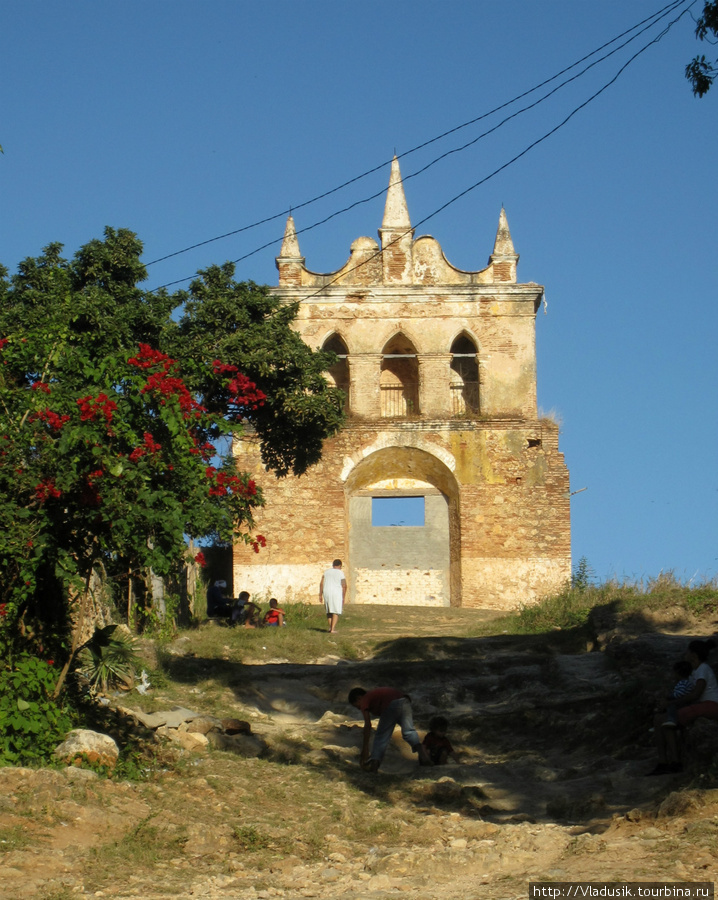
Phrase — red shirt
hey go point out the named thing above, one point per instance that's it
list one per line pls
(376, 701)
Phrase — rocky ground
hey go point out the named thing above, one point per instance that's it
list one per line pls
(551, 786)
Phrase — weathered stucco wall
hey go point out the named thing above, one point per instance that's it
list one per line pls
(504, 491)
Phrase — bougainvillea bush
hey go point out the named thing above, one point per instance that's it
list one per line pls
(110, 411)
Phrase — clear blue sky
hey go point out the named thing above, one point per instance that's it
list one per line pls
(185, 120)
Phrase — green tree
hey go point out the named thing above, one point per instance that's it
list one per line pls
(702, 72)
(107, 440)
(300, 409)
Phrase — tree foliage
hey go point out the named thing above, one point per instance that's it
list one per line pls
(702, 72)
(109, 415)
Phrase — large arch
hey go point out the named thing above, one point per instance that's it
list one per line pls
(404, 565)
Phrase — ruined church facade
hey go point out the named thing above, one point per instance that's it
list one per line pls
(438, 367)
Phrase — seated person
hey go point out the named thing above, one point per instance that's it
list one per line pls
(275, 615)
(218, 604)
(437, 745)
(245, 612)
(701, 701)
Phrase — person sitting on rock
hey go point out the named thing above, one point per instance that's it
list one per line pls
(700, 701)
(436, 743)
(392, 707)
(274, 616)
(219, 606)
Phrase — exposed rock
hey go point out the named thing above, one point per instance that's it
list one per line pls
(204, 724)
(241, 744)
(81, 744)
(192, 741)
(236, 726)
(171, 718)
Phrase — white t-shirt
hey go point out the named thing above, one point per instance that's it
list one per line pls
(710, 692)
(332, 588)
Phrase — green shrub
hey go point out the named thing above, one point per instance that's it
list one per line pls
(109, 658)
(32, 724)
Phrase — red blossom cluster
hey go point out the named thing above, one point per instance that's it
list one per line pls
(148, 358)
(93, 407)
(46, 490)
(244, 394)
(3, 609)
(225, 484)
(3, 343)
(150, 446)
(259, 541)
(200, 559)
(171, 386)
(162, 382)
(41, 386)
(53, 419)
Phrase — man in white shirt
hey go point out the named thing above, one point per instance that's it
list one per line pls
(332, 592)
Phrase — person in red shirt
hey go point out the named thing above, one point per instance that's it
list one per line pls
(392, 707)
(275, 615)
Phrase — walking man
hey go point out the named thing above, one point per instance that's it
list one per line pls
(332, 591)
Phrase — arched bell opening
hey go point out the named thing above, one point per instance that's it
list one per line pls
(464, 379)
(338, 374)
(399, 379)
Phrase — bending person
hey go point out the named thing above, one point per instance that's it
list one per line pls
(392, 707)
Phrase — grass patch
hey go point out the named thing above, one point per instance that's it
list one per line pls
(572, 608)
(13, 838)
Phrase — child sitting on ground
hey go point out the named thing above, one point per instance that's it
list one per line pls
(245, 612)
(275, 615)
(437, 744)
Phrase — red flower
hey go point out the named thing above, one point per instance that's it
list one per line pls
(46, 489)
(147, 358)
(3, 606)
(53, 419)
(200, 559)
(93, 407)
(41, 386)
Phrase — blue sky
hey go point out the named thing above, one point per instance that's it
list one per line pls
(184, 121)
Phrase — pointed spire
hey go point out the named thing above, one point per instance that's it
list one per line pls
(503, 246)
(396, 212)
(290, 244)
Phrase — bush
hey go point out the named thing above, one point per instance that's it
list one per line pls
(32, 724)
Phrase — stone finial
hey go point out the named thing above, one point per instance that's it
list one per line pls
(290, 244)
(290, 262)
(396, 212)
(503, 245)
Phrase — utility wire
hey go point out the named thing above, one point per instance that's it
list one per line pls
(648, 22)
(505, 165)
(656, 17)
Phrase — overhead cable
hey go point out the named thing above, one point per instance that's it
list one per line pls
(647, 22)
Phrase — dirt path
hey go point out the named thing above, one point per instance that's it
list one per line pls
(551, 787)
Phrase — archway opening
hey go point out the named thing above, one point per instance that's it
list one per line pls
(410, 555)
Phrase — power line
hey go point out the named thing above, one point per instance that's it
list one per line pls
(515, 158)
(648, 22)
